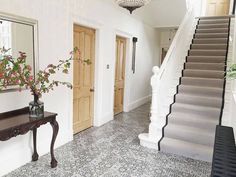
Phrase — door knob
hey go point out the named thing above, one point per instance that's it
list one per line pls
(92, 90)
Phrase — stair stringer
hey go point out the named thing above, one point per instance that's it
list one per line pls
(227, 117)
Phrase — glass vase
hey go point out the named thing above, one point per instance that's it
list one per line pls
(36, 108)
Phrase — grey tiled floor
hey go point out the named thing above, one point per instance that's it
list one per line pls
(113, 150)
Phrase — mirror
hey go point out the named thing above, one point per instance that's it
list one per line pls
(19, 34)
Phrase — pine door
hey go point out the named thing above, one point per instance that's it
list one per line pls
(120, 74)
(83, 87)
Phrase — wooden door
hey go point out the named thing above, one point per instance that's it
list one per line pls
(217, 7)
(163, 54)
(120, 74)
(83, 87)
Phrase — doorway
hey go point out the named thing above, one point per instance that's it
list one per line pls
(163, 53)
(83, 80)
(217, 7)
(119, 75)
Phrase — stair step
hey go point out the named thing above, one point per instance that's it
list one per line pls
(216, 17)
(210, 41)
(206, 59)
(204, 73)
(205, 66)
(195, 52)
(213, 30)
(204, 82)
(191, 125)
(200, 91)
(191, 150)
(198, 100)
(209, 46)
(190, 134)
(213, 21)
(210, 26)
(196, 109)
(210, 35)
(192, 120)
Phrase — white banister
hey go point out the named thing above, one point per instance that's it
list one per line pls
(165, 79)
(155, 111)
(154, 128)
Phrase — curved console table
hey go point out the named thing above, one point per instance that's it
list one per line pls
(18, 122)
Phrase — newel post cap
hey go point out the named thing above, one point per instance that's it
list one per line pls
(155, 70)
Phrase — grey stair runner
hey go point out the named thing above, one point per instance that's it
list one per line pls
(209, 46)
(210, 41)
(196, 110)
(211, 26)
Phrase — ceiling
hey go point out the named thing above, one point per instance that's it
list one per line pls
(160, 13)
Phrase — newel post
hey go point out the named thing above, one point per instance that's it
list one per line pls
(152, 138)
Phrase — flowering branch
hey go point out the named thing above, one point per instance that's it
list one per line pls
(15, 71)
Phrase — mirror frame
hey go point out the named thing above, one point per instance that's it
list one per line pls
(34, 24)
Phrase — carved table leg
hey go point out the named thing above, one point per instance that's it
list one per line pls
(55, 129)
(35, 155)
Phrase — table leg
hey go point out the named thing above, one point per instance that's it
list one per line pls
(35, 155)
(55, 129)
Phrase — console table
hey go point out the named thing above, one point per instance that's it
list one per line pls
(18, 122)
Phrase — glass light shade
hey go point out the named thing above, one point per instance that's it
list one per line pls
(131, 5)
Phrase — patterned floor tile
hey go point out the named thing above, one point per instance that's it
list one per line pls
(113, 150)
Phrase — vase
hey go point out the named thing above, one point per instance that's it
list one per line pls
(36, 108)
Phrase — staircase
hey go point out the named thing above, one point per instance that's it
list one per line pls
(198, 104)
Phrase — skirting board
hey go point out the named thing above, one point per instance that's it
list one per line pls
(138, 103)
(105, 119)
(22, 156)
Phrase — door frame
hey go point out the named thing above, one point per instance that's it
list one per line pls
(94, 74)
(128, 73)
(97, 73)
(124, 70)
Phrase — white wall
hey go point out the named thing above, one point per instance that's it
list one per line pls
(55, 19)
(165, 37)
(163, 13)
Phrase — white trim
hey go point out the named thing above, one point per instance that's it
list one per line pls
(97, 67)
(139, 102)
(16, 159)
(105, 119)
(128, 73)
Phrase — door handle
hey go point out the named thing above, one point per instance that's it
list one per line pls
(92, 90)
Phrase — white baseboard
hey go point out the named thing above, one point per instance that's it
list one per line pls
(138, 103)
(15, 160)
(105, 119)
(22, 156)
